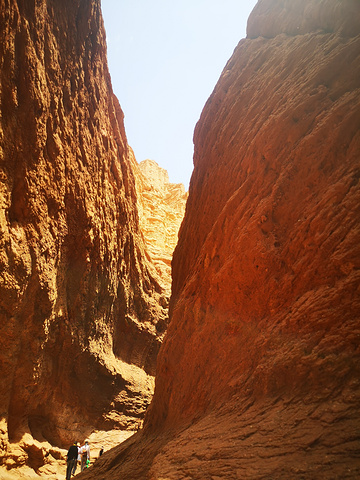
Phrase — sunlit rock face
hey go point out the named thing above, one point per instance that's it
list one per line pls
(259, 373)
(161, 211)
(79, 301)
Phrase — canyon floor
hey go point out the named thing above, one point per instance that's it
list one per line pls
(54, 467)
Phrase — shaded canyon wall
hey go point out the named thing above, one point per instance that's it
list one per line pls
(258, 376)
(79, 298)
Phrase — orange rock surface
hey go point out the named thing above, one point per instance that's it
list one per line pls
(79, 299)
(161, 211)
(259, 374)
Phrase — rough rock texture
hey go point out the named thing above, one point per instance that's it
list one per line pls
(161, 211)
(79, 301)
(259, 374)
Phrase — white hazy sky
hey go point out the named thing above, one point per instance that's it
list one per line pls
(165, 58)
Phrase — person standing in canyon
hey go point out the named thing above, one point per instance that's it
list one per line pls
(77, 461)
(85, 455)
(71, 459)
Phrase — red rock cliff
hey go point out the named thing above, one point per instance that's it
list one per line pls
(259, 374)
(79, 303)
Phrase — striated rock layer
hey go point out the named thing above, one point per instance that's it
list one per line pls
(79, 302)
(259, 374)
(161, 211)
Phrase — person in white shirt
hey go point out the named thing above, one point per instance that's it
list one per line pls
(85, 455)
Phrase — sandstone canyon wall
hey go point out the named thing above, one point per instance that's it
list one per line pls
(161, 206)
(79, 300)
(258, 376)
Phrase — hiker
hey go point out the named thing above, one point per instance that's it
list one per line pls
(85, 455)
(78, 460)
(71, 459)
